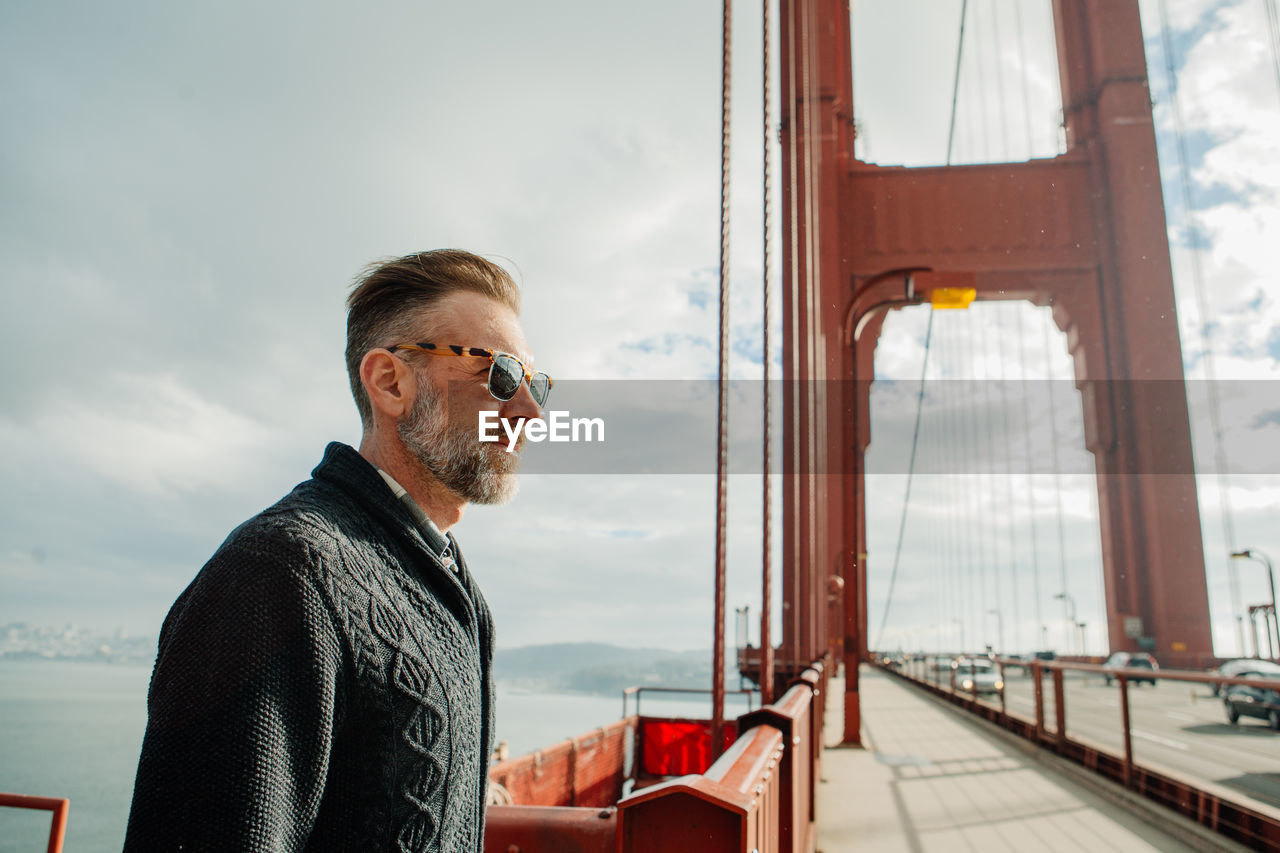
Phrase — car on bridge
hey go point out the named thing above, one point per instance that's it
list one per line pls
(977, 674)
(1233, 668)
(1240, 700)
(1131, 660)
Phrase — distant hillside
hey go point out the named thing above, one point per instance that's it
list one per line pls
(599, 668)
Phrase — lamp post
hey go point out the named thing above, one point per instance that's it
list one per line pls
(1070, 602)
(999, 628)
(1259, 557)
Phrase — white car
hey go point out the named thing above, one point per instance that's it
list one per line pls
(977, 675)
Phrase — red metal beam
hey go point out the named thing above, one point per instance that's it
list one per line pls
(58, 806)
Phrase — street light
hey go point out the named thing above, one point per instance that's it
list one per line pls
(1259, 557)
(1071, 602)
(1000, 628)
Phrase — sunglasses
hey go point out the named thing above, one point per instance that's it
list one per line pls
(506, 372)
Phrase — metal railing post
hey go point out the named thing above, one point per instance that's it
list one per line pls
(1060, 703)
(1003, 708)
(1124, 721)
(1039, 691)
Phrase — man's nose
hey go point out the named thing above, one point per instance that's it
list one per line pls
(522, 406)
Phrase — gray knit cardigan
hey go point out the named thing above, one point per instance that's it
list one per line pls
(323, 684)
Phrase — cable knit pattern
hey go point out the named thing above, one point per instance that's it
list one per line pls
(323, 684)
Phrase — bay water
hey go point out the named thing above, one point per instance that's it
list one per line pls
(73, 729)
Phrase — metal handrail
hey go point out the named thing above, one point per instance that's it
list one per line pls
(57, 824)
(637, 690)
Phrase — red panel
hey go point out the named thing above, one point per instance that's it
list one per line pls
(676, 747)
(584, 771)
(541, 829)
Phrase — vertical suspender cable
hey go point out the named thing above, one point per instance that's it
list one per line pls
(975, 483)
(1026, 94)
(982, 91)
(766, 611)
(1273, 27)
(722, 402)
(1202, 305)
(1008, 485)
(911, 467)
(1031, 492)
(962, 585)
(1004, 118)
(955, 87)
(988, 423)
(1069, 632)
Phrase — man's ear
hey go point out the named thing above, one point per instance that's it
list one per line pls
(388, 381)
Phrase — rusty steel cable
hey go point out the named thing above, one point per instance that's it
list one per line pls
(722, 400)
(766, 611)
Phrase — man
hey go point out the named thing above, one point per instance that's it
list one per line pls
(325, 681)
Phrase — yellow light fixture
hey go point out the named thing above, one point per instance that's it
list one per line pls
(952, 298)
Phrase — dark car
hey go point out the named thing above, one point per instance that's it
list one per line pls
(1131, 660)
(1233, 668)
(1239, 700)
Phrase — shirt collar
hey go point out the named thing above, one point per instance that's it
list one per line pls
(439, 542)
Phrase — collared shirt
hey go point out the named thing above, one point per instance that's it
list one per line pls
(440, 543)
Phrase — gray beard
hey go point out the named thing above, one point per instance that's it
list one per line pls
(453, 454)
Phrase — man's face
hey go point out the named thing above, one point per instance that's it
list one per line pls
(441, 428)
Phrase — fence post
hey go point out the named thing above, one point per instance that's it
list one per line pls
(1124, 721)
(1038, 672)
(1060, 703)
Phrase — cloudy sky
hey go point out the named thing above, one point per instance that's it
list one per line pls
(188, 191)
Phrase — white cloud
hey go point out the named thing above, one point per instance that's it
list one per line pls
(154, 435)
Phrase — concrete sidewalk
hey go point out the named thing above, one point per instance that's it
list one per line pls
(930, 779)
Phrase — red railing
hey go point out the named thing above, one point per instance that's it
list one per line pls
(588, 770)
(1255, 827)
(57, 824)
(758, 796)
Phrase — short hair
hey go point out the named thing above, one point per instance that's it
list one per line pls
(389, 297)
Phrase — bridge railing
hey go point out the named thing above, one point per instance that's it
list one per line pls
(757, 796)
(1259, 828)
(57, 805)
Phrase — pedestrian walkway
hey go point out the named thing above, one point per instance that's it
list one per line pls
(932, 779)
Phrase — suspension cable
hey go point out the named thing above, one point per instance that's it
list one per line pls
(982, 91)
(911, 468)
(976, 483)
(963, 532)
(1026, 94)
(988, 422)
(1031, 492)
(1202, 306)
(960, 591)
(955, 87)
(722, 401)
(766, 618)
(1008, 480)
(1057, 485)
(1273, 27)
(1004, 118)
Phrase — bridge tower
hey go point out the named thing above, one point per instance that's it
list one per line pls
(1083, 232)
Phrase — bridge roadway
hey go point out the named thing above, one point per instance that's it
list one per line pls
(934, 778)
(1177, 726)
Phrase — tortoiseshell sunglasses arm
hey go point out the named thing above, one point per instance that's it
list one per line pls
(467, 352)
